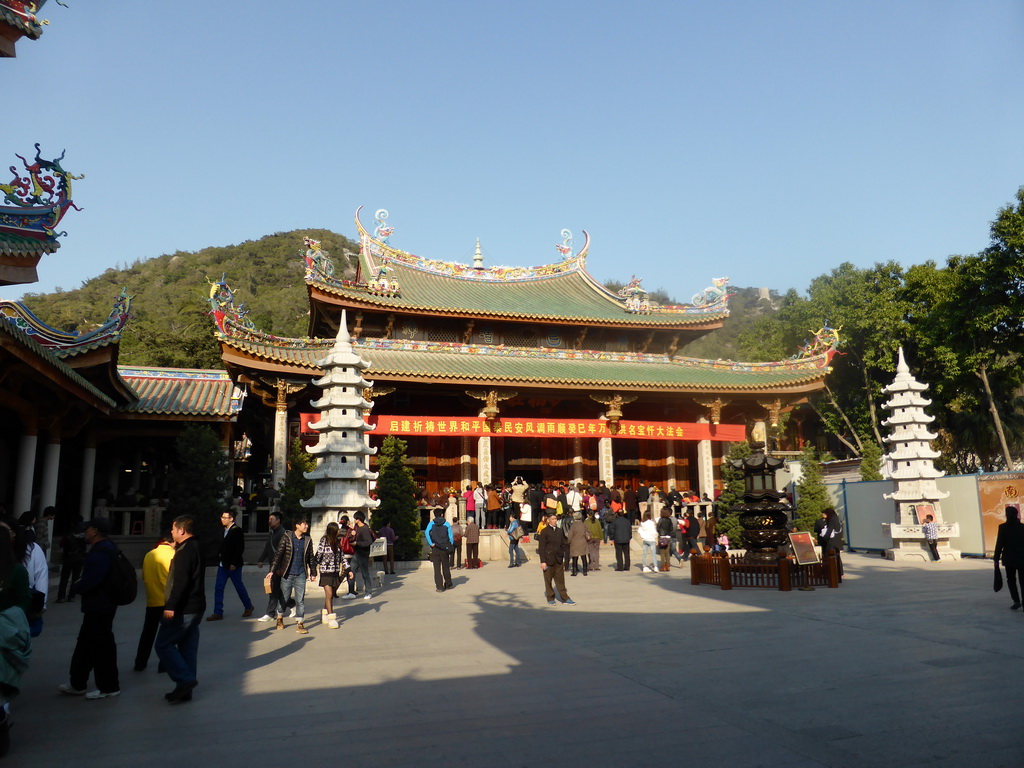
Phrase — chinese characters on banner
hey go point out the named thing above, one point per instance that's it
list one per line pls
(565, 428)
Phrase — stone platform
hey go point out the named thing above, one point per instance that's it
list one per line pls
(906, 665)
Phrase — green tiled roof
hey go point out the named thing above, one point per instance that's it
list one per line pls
(525, 366)
(16, 245)
(181, 392)
(563, 291)
(46, 358)
(566, 297)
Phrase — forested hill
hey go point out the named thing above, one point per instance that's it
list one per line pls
(170, 325)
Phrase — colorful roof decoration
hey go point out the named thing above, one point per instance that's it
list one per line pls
(181, 392)
(65, 343)
(34, 204)
(562, 291)
(20, 14)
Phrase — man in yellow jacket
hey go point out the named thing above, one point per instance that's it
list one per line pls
(154, 576)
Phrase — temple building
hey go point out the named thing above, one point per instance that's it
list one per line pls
(75, 426)
(494, 372)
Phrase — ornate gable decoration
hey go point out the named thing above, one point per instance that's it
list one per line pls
(233, 321)
(378, 253)
(636, 298)
(34, 203)
(69, 341)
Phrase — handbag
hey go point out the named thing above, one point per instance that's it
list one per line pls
(998, 583)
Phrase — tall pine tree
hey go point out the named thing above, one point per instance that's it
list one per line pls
(396, 489)
(733, 489)
(812, 495)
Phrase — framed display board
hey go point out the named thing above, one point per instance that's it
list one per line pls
(922, 511)
(804, 548)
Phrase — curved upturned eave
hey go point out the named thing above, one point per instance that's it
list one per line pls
(331, 296)
(287, 361)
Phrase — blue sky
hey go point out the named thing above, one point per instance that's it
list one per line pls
(764, 141)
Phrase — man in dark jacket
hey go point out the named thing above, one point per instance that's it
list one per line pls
(232, 548)
(293, 564)
(177, 641)
(96, 650)
(1010, 549)
(552, 547)
(269, 549)
(361, 543)
(622, 535)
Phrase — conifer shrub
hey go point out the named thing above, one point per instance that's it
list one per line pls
(396, 489)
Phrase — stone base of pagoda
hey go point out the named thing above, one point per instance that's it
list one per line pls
(916, 552)
(908, 544)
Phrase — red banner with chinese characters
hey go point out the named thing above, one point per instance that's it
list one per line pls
(565, 428)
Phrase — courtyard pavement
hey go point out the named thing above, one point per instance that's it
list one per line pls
(903, 665)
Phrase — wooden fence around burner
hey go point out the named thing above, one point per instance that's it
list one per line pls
(783, 574)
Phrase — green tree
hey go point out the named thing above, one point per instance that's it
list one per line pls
(199, 484)
(869, 307)
(811, 494)
(296, 487)
(396, 489)
(733, 489)
(870, 461)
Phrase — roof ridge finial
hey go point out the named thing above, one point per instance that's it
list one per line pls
(478, 257)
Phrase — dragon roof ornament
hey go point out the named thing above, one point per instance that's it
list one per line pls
(825, 344)
(70, 341)
(232, 320)
(378, 252)
(35, 203)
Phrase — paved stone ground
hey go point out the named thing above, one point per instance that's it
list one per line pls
(904, 665)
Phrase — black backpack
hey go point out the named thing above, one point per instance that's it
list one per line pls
(439, 537)
(122, 583)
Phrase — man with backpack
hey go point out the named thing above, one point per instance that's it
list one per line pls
(96, 650)
(442, 543)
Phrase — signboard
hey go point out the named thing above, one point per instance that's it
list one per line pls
(996, 492)
(804, 548)
(557, 428)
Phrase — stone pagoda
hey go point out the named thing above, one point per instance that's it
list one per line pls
(341, 449)
(910, 465)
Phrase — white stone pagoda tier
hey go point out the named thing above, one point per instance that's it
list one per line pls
(340, 474)
(910, 466)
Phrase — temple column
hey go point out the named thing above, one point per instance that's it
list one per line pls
(705, 465)
(670, 464)
(26, 471)
(48, 487)
(279, 467)
(605, 461)
(85, 498)
(577, 460)
(483, 460)
(466, 464)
